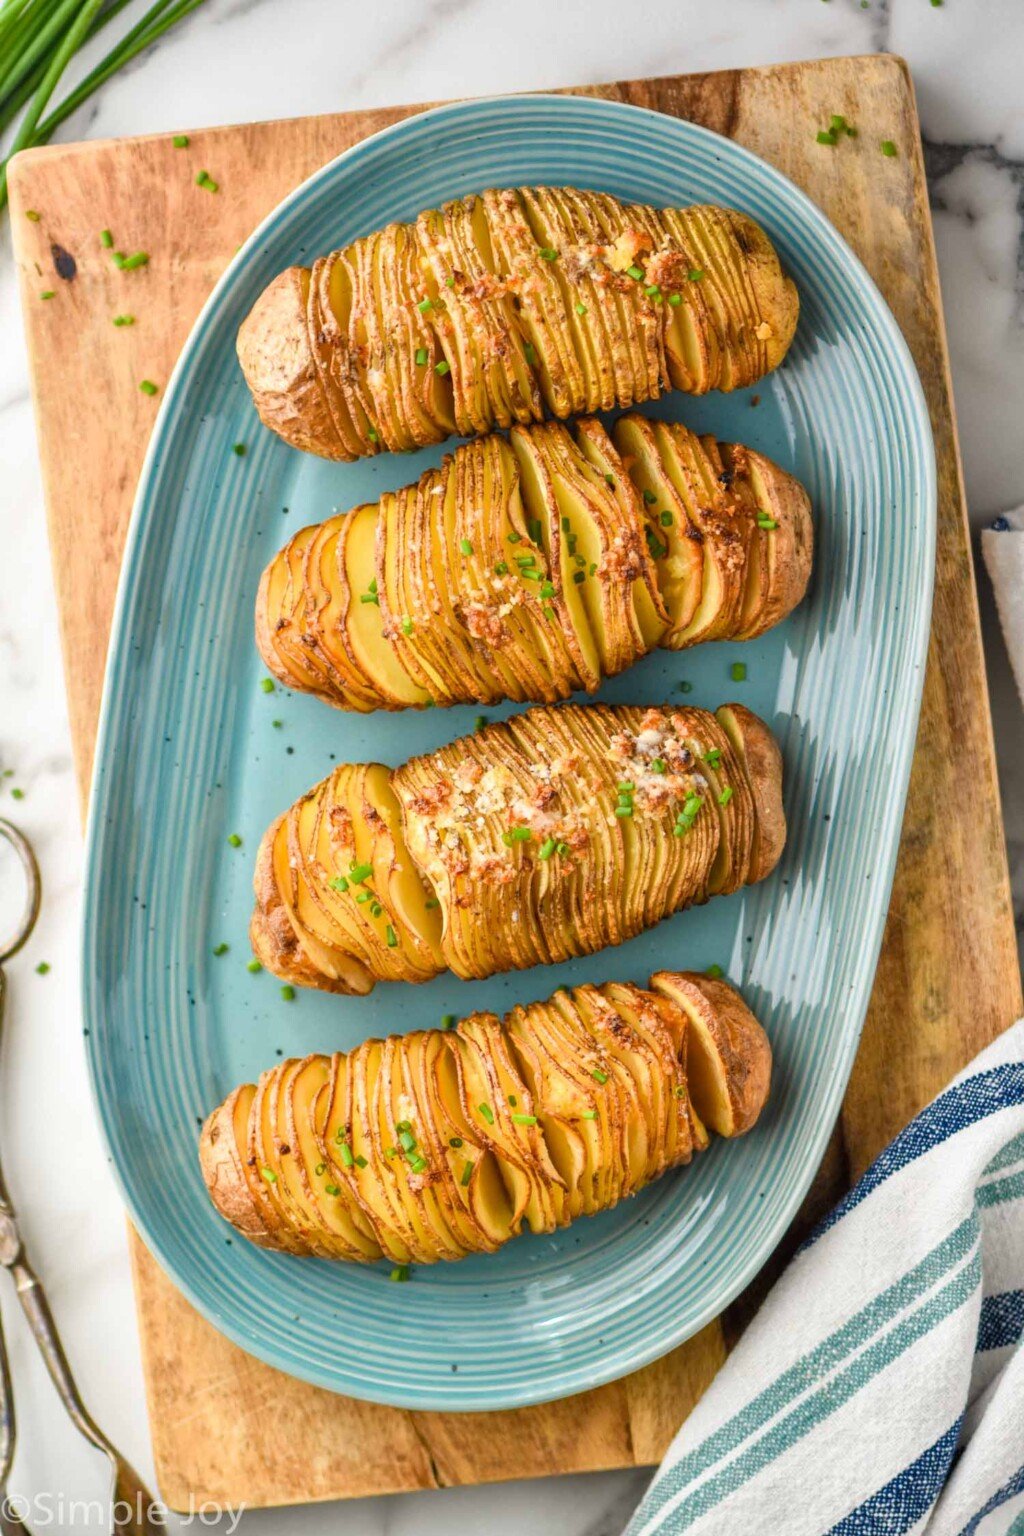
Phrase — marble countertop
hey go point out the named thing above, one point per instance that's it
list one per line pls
(234, 60)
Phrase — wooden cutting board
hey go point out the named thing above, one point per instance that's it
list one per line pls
(225, 1427)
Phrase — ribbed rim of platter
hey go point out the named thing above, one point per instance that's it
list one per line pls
(672, 1281)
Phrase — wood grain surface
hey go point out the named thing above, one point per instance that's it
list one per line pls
(224, 1426)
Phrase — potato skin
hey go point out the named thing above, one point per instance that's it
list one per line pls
(438, 1144)
(542, 315)
(520, 846)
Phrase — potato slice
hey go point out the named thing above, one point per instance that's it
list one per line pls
(728, 1055)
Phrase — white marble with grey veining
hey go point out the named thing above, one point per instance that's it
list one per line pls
(239, 59)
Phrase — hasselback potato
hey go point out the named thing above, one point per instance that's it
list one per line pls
(442, 1143)
(509, 306)
(549, 835)
(531, 568)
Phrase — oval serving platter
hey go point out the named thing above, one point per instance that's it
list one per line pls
(193, 750)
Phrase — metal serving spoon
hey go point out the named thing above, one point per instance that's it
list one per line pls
(134, 1510)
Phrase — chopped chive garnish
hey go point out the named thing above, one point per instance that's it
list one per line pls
(339, 883)
(533, 527)
(525, 1119)
(684, 686)
(467, 1174)
(406, 1137)
(365, 896)
(234, 840)
(424, 305)
(407, 625)
(579, 577)
(131, 263)
(599, 1076)
(610, 480)
(501, 569)
(455, 1141)
(332, 1189)
(547, 848)
(530, 352)
(547, 590)
(48, 293)
(548, 611)
(421, 356)
(635, 272)
(431, 903)
(695, 275)
(390, 1151)
(180, 141)
(487, 1112)
(267, 684)
(253, 967)
(658, 765)
(206, 181)
(764, 521)
(624, 786)
(220, 949)
(361, 1161)
(714, 971)
(738, 671)
(562, 849)
(825, 136)
(43, 968)
(692, 804)
(346, 1154)
(653, 291)
(148, 387)
(465, 546)
(370, 597)
(624, 810)
(581, 309)
(548, 252)
(417, 1163)
(650, 498)
(513, 1100)
(376, 910)
(320, 1170)
(288, 993)
(726, 795)
(714, 757)
(443, 367)
(588, 1114)
(124, 319)
(106, 239)
(359, 872)
(889, 149)
(373, 435)
(679, 1091)
(447, 1020)
(838, 123)
(391, 936)
(514, 538)
(666, 519)
(269, 1175)
(675, 298)
(33, 215)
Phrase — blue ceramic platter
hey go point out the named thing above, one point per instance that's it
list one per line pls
(192, 750)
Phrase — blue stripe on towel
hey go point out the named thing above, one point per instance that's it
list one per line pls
(975, 1099)
(1001, 1321)
(1009, 1490)
(907, 1497)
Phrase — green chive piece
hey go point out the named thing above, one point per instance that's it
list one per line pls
(267, 684)
(417, 1163)
(361, 1161)
(288, 993)
(520, 834)
(679, 1091)
(525, 1119)
(421, 356)
(838, 123)
(764, 521)
(406, 1138)
(432, 903)
(373, 435)
(269, 1175)
(148, 387)
(547, 848)
(391, 936)
(533, 527)
(206, 181)
(455, 1141)
(487, 1112)
(666, 519)
(658, 765)
(547, 590)
(825, 136)
(738, 671)
(320, 1170)
(501, 569)
(119, 259)
(588, 1114)
(131, 263)
(32, 215)
(684, 686)
(624, 810)
(695, 275)
(635, 272)
(106, 239)
(443, 367)
(447, 1021)
(692, 804)
(599, 1076)
(220, 949)
(579, 577)
(235, 840)
(548, 252)
(17, 794)
(714, 757)
(339, 883)
(581, 309)
(625, 786)
(714, 971)
(465, 546)
(48, 293)
(124, 319)
(370, 597)
(332, 1189)
(346, 1154)
(180, 141)
(358, 873)
(530, 352)
(889, 149)
(726, 795)
(467, 1174)
(424, 305)
(479, 722)
(365, 896)
(513, 1100)
(43, 968)
(376, 910)
(653, 291)
(515, 538)
(675, 298)
(610, 480)
(650, 498)
(254, 966)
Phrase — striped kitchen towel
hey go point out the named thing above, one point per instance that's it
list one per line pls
(881, 1386)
